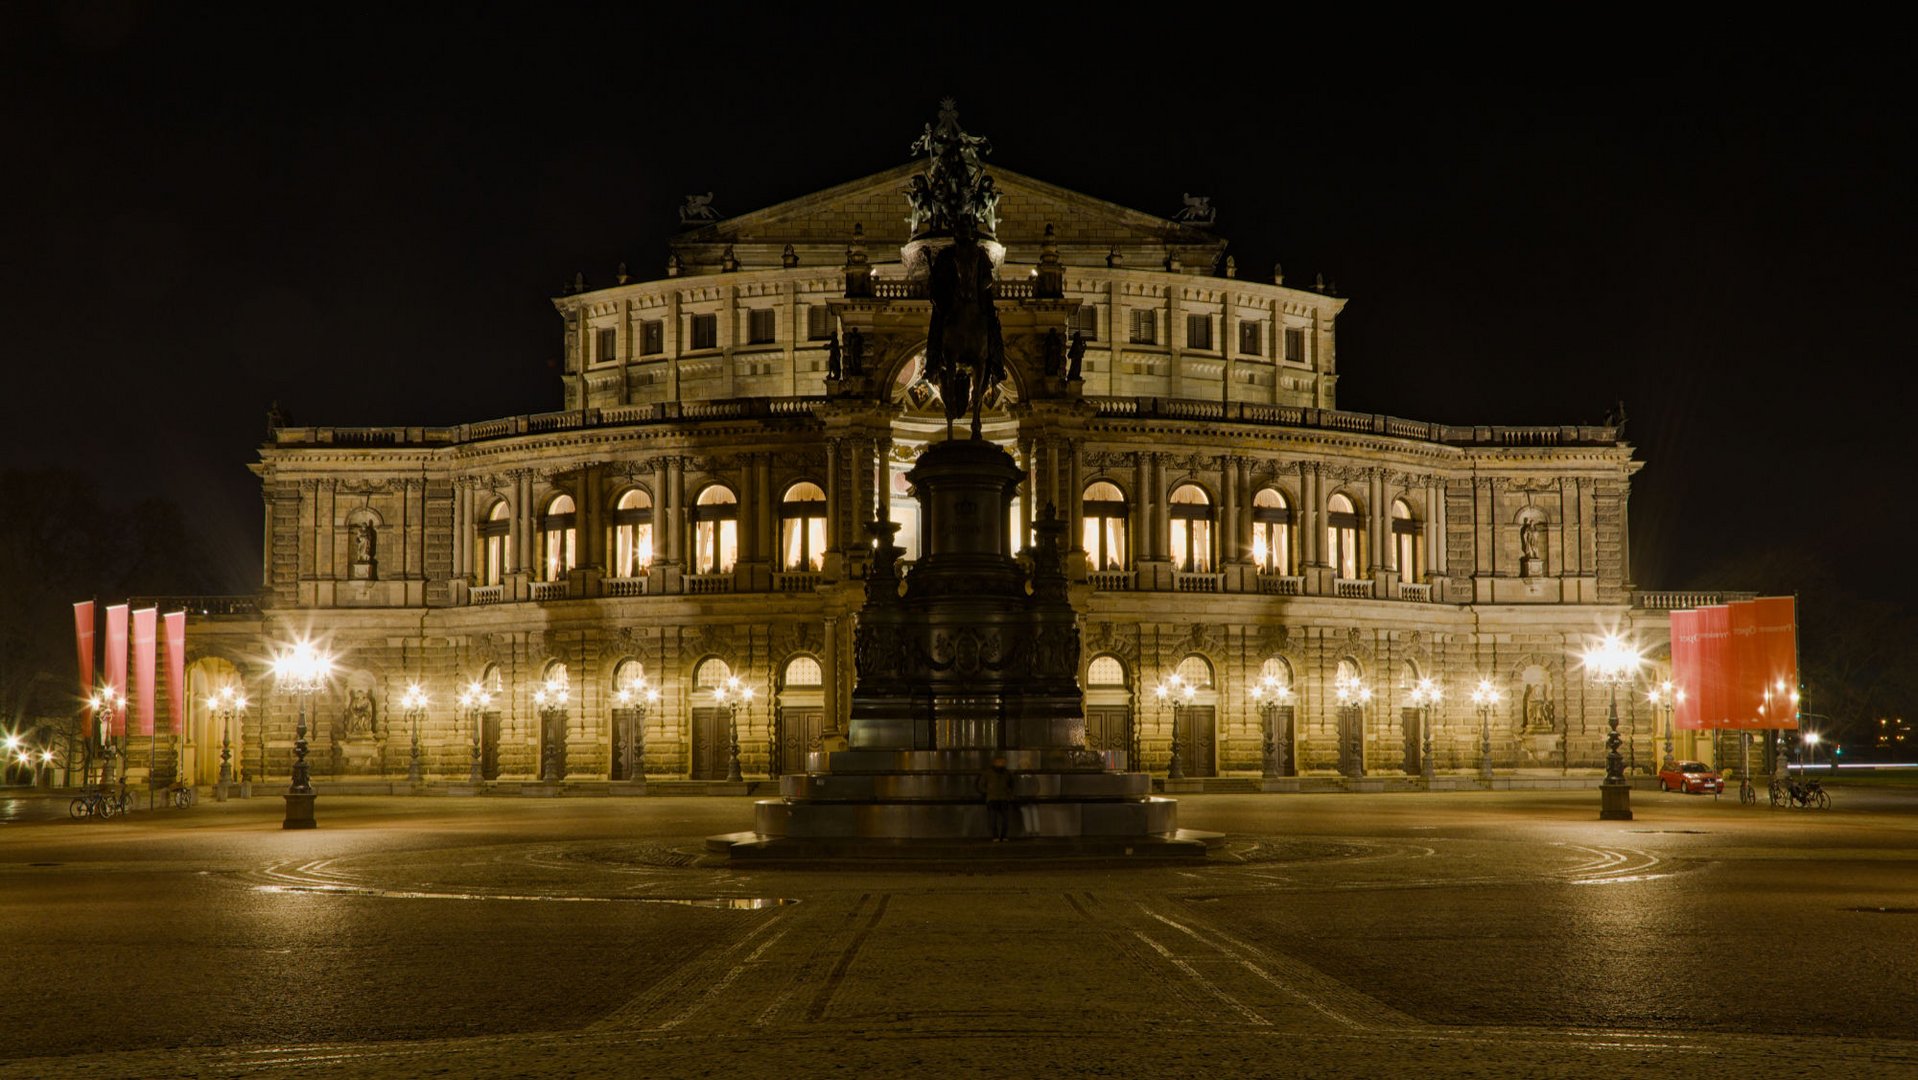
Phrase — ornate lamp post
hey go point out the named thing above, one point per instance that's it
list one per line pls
(1180, 693)
(226, 705)
(413, 708)
(1485, 698)
(1351, 693)
(1267, 695)
(302, 671)
(1425, 695)
(105, 702)
(473, 702)
(732, 694)
(633, 700)
(1667, 697)
(550, 700)
(1612, 663)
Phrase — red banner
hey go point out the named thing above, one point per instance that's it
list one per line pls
(1778, 659)
(83, 645)
(175, 623)
(1714, 666)
(116, 665)
(1745, 690)
(1685, 714)
(145, 630)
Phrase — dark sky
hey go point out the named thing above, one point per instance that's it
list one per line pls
(206, 210)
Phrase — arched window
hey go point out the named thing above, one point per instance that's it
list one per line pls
(632, 534)
(715, 531)
(1348, 685)
(1105, 526)
(493, 532)
(802, 527)
(629, 676)
(1276, 672)
(1191, 513)
(557, 538)
(711, 674)
(1105, 671)
(803, 671)
(1345, 538)
(1196, 670)
(1408, 542)
(1271, 532)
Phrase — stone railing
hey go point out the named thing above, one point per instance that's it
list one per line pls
(238, 606)
(486, 594)
(1247, 412)
(661, 412)
(703, 584)
(899, 290)
(1113, 580)
(1352, 588)
(1197, 582)
(625, 586)
(1281, 585)
(1684, 599)
(548, 590)
(797, 581)
(1419, 594)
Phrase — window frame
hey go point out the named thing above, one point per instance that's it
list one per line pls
(1201, 342)
(1103, 510)
(652, 337)
(762, 326)
(702, 327)
(1187, 513)
(1144, 326)
(1252, 330)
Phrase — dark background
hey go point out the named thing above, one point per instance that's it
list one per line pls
(209, 210)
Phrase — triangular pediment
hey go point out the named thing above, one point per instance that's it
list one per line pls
(1085, 227)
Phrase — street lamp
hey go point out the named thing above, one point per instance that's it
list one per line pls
(226, 705)
(731, 694)
(633, 700)
(1180, 693)
(302, 670)
(413, 708)
(1268, 694)
(1425, 695)
(1485, 698)
(1352, 693)
(1667, 697)
(1811, 741)
(550, 700)
(1612, 663)
(473, 702)
(105, 703)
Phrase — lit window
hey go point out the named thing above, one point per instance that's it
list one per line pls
(1191, 513)
(803, 671)
(715, 531)
(493, 534)
(632, 534)
(1271, 532)
(1145, 327)
(1251, 338)
(1105, 526)
(1105, 671)
(1196, 672)
(759, 326)
(802, 527)
(705, 331)
(711, 674)
(557, 538)
(1198, 332)
(1345, 539)
(1408, 540)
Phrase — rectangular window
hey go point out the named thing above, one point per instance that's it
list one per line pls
(705, 332)
(819, 322)
(759, 326)
(652, 337)
(1145, 327)
(1198, 332)
(1251, 338)
(607, 349)
(1294, 346)
(1086, 321)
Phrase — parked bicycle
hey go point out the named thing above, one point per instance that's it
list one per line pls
(179, 794)
(1808, 794)
(97, 803)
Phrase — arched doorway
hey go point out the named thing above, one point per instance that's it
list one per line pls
(711, 734)
(1109, 707)
(1275, 677)
(552, 700)
(633, 701)
(196, 750)
(1352, 695)
(1199, 720)
(489, 721)
(799, 719)
(1412, 761)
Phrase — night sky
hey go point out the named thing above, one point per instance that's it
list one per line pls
(205, 212)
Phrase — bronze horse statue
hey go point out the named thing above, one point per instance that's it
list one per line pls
(965, 353)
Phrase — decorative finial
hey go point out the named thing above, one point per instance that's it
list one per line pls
(579, 281)
(672, 264)
(1231, 267)
(1319, 284)
(789, 258)
(727, 261)
(1113, 258)
(620, 275)
(1278, 273)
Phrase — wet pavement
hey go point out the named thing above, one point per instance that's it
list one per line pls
(1446, 934)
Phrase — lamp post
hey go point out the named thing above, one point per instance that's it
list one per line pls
(1612, 663)
(413, 708)
(1267, 695)
(732, 693)
(633, 699)
(550, 700)
(473, 702)
(1668, 697)
(1175, 689)
(228, 703)
(105, 703)
(1425, 695)
(1485, 698)
(1352, 693)
(302, 670)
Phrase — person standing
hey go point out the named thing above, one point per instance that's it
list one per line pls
(995, 783)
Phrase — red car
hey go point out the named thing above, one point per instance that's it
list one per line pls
(1692, 778)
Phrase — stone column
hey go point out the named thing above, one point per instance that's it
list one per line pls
(676, 512)
(1141, 516)
(767, 524)
(1228, 509)
(1075, 493)
(833, 539)
(882, 479)
(1161, 541)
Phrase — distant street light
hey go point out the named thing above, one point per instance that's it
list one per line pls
(1425, 696)
(302, 670)
(1485, 698)
(551, 699)
(1667, 697)
(413, 708)
(105, 703)
(1180, 693)
(473, 702)
(732, 693)
(1612, 663)
(1268, 694)
(1351, 693)
(634, 699)
(225, 705)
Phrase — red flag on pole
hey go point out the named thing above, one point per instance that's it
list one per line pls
(1747, 683)
(175, 622)
(144, 643)
(116, 666)
(1685, 672)
(1714, 665)
(83, 645)
(1777, 657)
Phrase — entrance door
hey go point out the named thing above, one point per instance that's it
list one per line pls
(1109, 727)
(1196, 741)
(799, 731)
(625, 724)
(1352, 740)
(1409, 730)
(1285, 748)
(552, 746)
(710, 743)
(489, 746)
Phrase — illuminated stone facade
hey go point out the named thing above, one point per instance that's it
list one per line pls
(697, 507)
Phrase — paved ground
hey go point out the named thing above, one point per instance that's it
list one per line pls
(1505, 934)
